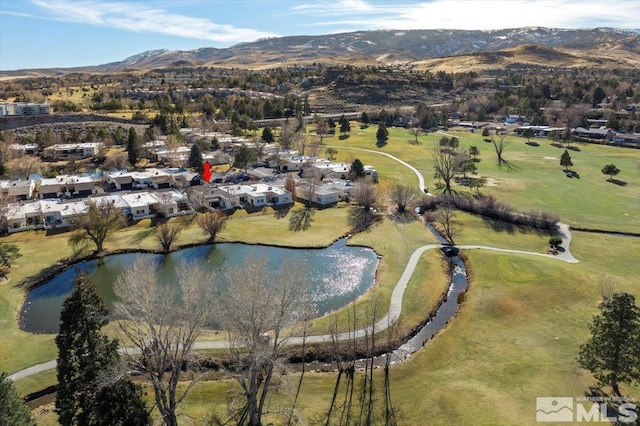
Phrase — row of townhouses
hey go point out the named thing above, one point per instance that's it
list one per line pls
(55, 213)
(23, 108)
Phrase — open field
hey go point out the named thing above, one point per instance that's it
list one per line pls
(517, 334)
(537, 181)
(515, 338)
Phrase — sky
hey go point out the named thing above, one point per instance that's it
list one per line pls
(68, 33)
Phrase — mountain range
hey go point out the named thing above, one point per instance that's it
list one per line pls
(389, 46)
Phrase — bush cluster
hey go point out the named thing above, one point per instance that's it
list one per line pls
(491, 208)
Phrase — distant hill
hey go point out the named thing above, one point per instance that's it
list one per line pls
(569, 47)
(531, 55)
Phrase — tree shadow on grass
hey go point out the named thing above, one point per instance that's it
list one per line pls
(403, 217)
(142, 235)
(281, 212)
(511, 167)
(512, 228)
(617, 182)
(361, 219)
(380, 143)
(300, 220)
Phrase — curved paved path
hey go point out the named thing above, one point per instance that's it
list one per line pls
(395, 305)
(404, 163)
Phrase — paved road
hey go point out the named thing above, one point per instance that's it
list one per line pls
(395, 306)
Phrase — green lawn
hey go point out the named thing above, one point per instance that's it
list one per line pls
(537, 182)
(517, 333)
(515, 338)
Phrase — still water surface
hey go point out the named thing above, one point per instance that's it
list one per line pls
(339, 274)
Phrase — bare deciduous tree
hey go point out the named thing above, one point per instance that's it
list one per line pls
(162, 322)
(115, 160)
(300, 142)
(172, 143)
(23, 166)
(263, 308)
(287, 135)
(445, 165)
(96, 225)
(166, 235)
(322, 128)
(290, 185)
(415, 132)
(364, 193)
(444, 219)
(211, 223)
(500, 143)
(402, 196)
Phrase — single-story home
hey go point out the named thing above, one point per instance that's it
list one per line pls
(18, 190)
(594, 133)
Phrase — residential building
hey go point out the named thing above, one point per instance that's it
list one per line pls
(23, 108)
(17, 189)
(68, 151)
(325, 193)
(593, 133)
(171, 203)
(18, 150)
(58, 214)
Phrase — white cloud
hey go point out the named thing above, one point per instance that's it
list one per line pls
(142, 18)
(474, 15)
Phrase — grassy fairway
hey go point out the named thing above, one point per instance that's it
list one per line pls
(517, 334)
(515, 338)
(537, 182)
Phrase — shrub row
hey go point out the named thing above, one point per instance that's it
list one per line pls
(493, 209)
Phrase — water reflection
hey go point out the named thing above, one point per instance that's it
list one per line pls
(338, 275)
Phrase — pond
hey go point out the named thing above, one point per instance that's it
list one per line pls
(339, 274)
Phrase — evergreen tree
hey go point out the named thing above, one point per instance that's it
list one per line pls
(244, 156)
(85, 357)
(132, 146)
(611, 170)
(364, 118)
(357, 169)
(565, 160)
(474, 152)
(345, 127)
(382, 134)
(267, 135)
(332, 126)
(13, 410)
(8, 254)
(121, 404)
(195, 159)
(613, 352)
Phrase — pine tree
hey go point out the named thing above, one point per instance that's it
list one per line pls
(121, 404)
(613, 352)
(13, 410)
(132, 146)
(195, 159)
(382, 134)
(357, 169)
(565, 160)
(267, 135)
(85, 358)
